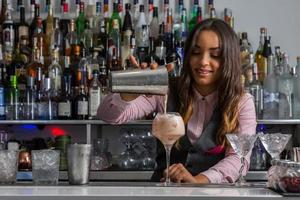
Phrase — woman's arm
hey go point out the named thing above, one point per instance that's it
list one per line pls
(227, 170)
(117, 109)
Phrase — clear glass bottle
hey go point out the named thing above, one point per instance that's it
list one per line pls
(256, 89)
(12, 104)
(297, 91)
(95, 95)
(55, 71)
(154, 27)
(286, 89)
(57, 37)
(271, 95)
(114, 46)
(30, 105)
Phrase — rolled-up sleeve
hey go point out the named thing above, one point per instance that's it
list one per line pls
(113, 109)
(227, 170)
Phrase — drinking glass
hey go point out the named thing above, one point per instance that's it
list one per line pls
(242, 144)
(45, 166)
(168, 128)
(274, 143)
(8, 166)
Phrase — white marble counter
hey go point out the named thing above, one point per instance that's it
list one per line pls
(125, 191)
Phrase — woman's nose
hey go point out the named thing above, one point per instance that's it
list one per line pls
(204, 59)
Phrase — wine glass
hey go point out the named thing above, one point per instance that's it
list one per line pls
(242, 144)
(274, 143)
(168, 128)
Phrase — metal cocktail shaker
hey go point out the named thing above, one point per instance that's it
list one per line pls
(79, 159)
(140, 81)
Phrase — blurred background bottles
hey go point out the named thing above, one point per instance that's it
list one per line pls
(75, 44)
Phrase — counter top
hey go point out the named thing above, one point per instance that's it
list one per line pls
(132, 191)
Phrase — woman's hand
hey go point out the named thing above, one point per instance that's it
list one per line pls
(179, 174)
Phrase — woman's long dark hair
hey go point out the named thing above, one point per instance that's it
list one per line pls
(230, 89)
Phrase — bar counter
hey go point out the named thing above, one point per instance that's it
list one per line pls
(133, 191)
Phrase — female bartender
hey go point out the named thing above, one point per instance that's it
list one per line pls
(211, 99)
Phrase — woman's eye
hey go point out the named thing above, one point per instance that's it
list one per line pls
(215, 56)
(195, 52)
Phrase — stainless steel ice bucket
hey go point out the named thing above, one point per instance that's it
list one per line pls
(79, 159)
(141, 81)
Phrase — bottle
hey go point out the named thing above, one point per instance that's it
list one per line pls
(127, 31)
(285, 88)
(178, 21)
(65, 102)
(72, 40)
(2, 96)
(259, 58)
(95, 97)
(57, 37)
(23, 27)
(150, 11)
(97, 20)
(2, 16)
(38, 40)
(8, 36)
(259, 156)
(245, 50)
(101, 41)
(267, 51)
(256, 89)
(114, 49)
(193, 18)
(30, 104)
(88, 36)
(173, 57)
(81, 22)
(55, 71)
(47, 106)
(34, 23)
(12, 108)
(49, 31)
(135, 11)
(297, 91)
(81, 104)
(154, 27)
(142, 42)
(151, 57)
(115, 16)
(35, 66)
(65, 19)
(271, 95)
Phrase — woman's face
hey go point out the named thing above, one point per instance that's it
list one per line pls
(205, 62)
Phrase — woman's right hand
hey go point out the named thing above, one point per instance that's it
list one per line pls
(135, 64)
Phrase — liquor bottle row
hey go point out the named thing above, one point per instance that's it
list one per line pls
(276, 91)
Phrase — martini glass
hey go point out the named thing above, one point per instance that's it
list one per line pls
(242, 144)
(274, 143)
(168, 128)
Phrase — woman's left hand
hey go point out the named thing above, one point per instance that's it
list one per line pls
(179, 174)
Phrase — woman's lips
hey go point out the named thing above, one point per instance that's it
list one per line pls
(203, 72)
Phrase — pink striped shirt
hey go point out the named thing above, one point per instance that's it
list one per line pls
(116, 111)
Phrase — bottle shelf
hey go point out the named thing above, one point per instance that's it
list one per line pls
(71, 122)
(279, 121)
(135, 122)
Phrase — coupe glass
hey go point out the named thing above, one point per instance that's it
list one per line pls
(274, 143)
(242, 144)
(168, 128)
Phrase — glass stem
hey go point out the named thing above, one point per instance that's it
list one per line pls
(168, 153)
(241, 178)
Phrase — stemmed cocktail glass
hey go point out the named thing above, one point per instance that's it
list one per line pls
(242, 144)
(168, 128)
(274, 143)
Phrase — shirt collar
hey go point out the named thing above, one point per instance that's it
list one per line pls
(211, 99)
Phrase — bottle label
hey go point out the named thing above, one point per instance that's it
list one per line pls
(23, 30)
(82, 108)
(95, 96)
(9, 36)
(64, 109)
